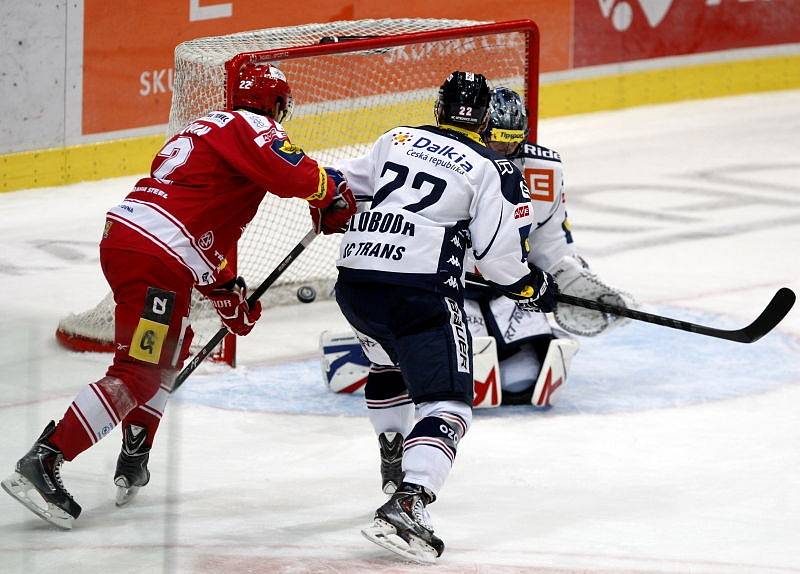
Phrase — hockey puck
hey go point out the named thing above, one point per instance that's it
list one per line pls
(306, 294)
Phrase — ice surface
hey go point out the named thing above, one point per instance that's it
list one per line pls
(669, 452)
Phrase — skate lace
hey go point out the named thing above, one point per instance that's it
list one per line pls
(57, 474)
(421, 515)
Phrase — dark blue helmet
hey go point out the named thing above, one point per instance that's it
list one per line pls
(508, 118)
(463, 100)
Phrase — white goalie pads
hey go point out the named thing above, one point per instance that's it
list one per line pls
(486, 374)
(554, 370)
(345, 367)
(575, 278)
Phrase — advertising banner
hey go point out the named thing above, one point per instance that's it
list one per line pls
(610, 31)
(129, 44)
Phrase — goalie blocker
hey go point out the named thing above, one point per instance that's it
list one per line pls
(345, 368)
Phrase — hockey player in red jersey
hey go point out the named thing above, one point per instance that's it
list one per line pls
(170, 234)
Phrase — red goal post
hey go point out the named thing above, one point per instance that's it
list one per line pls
(347, 92)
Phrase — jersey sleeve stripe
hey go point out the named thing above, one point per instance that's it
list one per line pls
(479, 256)
(163, 232)
(177, 223)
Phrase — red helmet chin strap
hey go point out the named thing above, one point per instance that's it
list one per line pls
(280, 113)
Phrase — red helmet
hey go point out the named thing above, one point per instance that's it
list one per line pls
(262, 88)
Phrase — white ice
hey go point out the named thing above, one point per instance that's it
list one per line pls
(670, 452)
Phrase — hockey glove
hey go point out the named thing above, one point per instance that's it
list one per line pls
(334, 217)
(230, 302)
(541, 293)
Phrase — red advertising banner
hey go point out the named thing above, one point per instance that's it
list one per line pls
(608, 31)
(129, 44)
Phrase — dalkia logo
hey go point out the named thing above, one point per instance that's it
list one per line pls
(401, 138)
(621, 11)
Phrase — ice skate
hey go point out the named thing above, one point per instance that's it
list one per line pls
(403, 526)
(37, 484)
(132, 472)
(391, 461)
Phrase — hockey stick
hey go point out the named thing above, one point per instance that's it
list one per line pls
(254, 296)
(769, 318)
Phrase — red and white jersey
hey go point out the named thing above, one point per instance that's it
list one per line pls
(205, 186)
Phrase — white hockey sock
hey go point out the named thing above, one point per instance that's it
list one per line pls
(430, 448)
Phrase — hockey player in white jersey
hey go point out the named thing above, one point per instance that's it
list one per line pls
(433, 192)
(535, 354)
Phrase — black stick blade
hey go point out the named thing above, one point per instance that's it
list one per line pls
(773, 313)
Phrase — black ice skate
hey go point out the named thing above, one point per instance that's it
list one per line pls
(403, 526)
(391, 460)
(37, 483)
(132, 473)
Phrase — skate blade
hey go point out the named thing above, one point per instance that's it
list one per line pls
(385, 535)
(125, 493)
(26, 494)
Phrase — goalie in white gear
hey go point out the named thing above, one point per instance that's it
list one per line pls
(534, 354)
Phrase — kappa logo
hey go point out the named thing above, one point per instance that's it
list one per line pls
(451, 282)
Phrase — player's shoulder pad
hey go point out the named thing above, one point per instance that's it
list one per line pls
(396, 129)
(217, 117)
(206, 124)
(261, 124)
(512, 184)
(536, 151)
(477, 147)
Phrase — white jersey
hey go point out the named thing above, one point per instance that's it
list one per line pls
(432, 192)
(551, 236)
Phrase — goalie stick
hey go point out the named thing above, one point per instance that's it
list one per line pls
(254, 296)
(769, 318)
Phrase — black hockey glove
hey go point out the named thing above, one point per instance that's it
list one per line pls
(541, 293)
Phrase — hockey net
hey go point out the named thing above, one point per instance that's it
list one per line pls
(351, 81)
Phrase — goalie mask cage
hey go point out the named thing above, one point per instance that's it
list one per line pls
(351, 81)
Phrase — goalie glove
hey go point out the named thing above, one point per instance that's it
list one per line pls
(540, 293)
(230, 302)
(334, 217)
(575, 277)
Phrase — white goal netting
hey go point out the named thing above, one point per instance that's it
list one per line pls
(343, 102)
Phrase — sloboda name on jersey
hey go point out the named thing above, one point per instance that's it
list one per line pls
(383, 222)
(372, 221)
